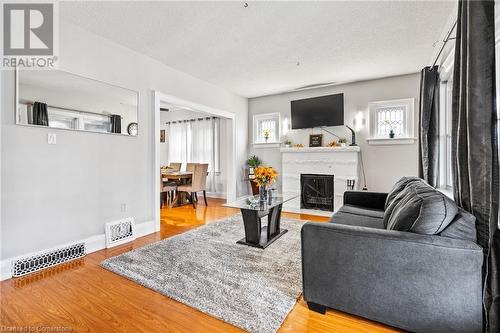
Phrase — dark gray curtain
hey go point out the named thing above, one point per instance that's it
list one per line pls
(116, 123)
(428, 166)
(40, 116)
(475, 139)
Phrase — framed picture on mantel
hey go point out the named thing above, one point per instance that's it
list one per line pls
(316, 140)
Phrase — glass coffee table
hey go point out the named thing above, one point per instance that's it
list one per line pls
(253, 211)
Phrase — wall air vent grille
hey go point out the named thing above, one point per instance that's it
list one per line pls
(120, 232)
(38, 262)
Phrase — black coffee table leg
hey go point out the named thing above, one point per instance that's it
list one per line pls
(273, 222)
(252, 223)
(255, 234)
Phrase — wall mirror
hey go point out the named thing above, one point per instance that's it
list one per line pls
(58, 99)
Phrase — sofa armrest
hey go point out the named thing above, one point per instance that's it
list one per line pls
(367, 199)
(420, 283)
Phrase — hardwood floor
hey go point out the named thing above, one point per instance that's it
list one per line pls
(80, 296)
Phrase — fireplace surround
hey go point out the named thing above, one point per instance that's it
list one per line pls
(317, 192)
(343, 162)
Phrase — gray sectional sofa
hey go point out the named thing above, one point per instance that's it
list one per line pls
(407, 258)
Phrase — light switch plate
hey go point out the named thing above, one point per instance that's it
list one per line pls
(51, 138)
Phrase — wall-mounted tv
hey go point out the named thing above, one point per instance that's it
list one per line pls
(318, 111)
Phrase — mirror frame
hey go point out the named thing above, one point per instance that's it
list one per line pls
(16, 111)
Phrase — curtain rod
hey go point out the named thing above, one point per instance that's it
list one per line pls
(446, 40)
(188, 120)
(74, 110)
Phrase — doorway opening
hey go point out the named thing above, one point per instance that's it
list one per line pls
(189, 134)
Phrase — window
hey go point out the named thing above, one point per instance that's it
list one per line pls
(60, 119)
(195, 141)
(445, 103)
(69, 119)
(392, 120)
(96, 123)
(266, 128)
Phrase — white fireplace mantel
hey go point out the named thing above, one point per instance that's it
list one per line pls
(320, 149)
(341, 162)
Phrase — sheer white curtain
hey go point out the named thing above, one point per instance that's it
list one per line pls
(202, 142)
(178, 133)
(203, 147)
(196, 141)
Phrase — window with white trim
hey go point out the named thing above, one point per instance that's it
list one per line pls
(392, 119)
(71, 119)
(266, 128)
(445, 104)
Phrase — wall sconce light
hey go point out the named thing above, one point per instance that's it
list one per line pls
(286, 125)
(359, 121)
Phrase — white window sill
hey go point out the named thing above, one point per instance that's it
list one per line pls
(267, 145)
(393, 141)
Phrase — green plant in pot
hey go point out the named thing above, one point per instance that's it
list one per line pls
(287, 143)
(391, 133)
(343, 142)
(253, 162)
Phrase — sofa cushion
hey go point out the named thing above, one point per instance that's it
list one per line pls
(403, 193)
(398, 187)
(357, 220)
(463, 226)
(422, 210)
(360, 210)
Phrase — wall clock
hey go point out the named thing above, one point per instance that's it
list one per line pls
(132, 129)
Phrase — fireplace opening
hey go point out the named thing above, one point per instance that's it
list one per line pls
(316, 192)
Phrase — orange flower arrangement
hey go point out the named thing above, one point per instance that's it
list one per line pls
(265, 176)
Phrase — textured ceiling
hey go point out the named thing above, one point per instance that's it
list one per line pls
(270, 47)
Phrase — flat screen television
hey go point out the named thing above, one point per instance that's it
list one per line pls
(318, 111)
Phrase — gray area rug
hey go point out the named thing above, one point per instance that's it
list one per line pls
(250, 288)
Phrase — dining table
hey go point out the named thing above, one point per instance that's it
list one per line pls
(177, 175)
(182, 178)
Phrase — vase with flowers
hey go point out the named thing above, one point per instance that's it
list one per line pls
(266, 134)
(264, 177)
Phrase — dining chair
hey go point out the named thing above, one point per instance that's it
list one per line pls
(168, 189)
(190, 167)
(198, 184)
(175, 166)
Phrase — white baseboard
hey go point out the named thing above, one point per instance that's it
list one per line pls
(92, 244)
(218, 195)
(144, 228)
(5, 269)
(307, 211)
(95, 243)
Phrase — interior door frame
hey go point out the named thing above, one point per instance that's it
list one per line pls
(158, 98)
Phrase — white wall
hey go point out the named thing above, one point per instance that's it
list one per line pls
(383, 164)
(54, 194)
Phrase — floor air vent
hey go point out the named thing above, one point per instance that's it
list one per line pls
(37, 262)
(119, 232)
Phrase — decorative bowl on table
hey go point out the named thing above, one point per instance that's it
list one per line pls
(253, 201)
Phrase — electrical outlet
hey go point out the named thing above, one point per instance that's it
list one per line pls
(51, 138)
(123, 207)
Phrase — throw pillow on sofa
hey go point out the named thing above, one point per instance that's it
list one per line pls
(398, 187)
(422, 210)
